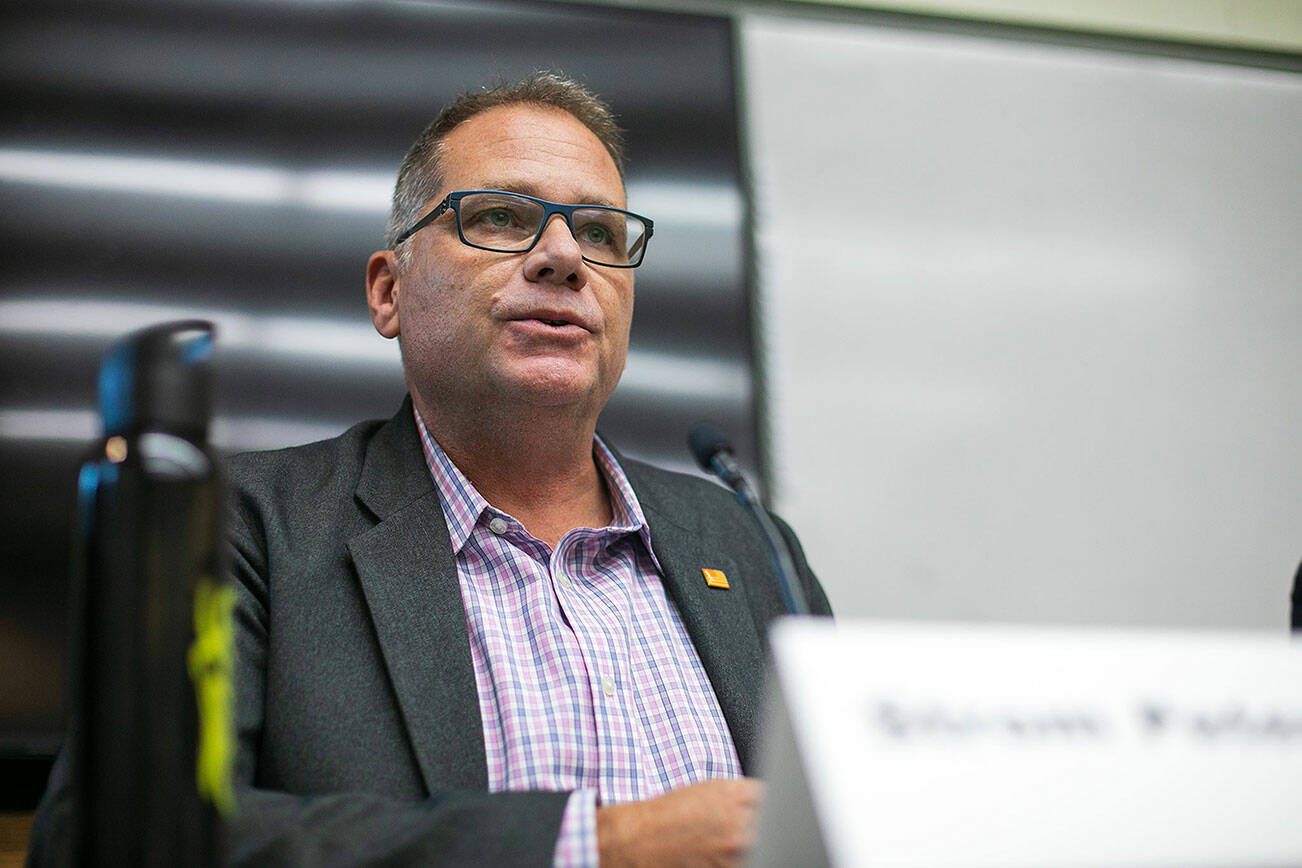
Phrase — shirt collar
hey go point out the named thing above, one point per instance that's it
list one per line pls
(464, 506)
(462, 503)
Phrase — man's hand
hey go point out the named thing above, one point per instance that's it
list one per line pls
(710, 823)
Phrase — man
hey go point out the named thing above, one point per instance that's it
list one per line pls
(474, 633)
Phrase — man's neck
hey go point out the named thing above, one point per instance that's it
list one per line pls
(537, 466)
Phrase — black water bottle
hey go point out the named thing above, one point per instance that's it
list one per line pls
(154, 697)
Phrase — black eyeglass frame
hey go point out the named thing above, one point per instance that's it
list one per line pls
(453, 201)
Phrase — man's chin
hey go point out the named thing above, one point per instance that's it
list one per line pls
(555, 384)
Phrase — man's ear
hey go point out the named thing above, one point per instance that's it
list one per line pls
(382, 292)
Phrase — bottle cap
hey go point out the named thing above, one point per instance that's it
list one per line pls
(159, 379)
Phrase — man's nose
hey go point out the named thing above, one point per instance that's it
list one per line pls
(556, 258)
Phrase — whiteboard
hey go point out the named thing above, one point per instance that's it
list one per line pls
(1031, 315)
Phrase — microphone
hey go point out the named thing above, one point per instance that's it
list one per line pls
(714, 453)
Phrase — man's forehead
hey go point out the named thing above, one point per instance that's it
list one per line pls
(582, 196)
(540, 151)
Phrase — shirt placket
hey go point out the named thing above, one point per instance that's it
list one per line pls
(526, 561)
(602, 636)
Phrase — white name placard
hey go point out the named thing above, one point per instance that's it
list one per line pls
(958, 745)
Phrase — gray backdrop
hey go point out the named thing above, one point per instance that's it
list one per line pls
(1032, 314)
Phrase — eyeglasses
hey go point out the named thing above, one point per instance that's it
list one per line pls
(512, 223)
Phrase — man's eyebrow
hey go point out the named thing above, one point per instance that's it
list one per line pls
(528, 188)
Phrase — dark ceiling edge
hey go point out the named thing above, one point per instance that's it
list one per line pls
(1286, 61)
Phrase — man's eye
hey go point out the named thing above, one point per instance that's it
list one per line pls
(595, 233)
(498, 217)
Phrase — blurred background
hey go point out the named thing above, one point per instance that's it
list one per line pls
(999, 300)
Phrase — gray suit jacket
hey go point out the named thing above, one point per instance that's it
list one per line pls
(360, 737)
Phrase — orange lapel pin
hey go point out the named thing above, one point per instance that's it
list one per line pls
(715, 578)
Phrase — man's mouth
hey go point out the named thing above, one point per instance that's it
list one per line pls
(555, 319)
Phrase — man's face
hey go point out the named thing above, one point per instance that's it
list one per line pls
(479, 326)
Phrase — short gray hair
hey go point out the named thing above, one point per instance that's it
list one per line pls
(420, 176)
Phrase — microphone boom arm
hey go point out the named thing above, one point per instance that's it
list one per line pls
(715, 456)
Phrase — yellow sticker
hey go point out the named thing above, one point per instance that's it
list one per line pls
(715, 578)
(211, 664)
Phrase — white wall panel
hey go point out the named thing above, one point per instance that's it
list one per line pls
(1032, 318)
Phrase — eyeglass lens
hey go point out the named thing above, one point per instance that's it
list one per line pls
(509, 224)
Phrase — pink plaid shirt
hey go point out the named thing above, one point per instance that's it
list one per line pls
(587, 678)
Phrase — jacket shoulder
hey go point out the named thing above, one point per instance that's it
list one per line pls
(300, 464)
(299, 485)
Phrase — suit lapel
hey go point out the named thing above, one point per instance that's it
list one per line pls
(718, 621)
(409, 578)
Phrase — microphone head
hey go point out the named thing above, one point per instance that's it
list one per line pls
(707, 441)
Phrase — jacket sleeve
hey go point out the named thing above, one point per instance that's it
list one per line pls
(454, 828)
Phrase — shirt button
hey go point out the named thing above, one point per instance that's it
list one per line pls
(498, 525)
(563, 580)
(608, 686)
